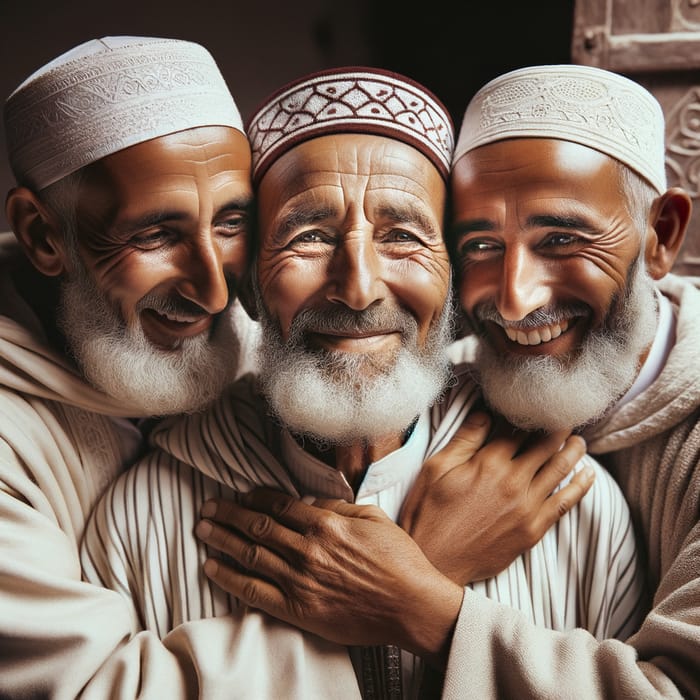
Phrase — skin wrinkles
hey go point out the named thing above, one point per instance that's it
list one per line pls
(169, 217)
(540, 222)
(366, 230)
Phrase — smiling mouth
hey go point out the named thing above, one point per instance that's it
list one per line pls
(537, 336)
(352, 342)
(179, 324)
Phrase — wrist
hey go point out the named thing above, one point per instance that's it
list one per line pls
(433, 621)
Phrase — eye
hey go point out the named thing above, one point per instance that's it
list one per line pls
(151, 240)
(561, 242)
(399, 235)
(477, 248)
(234, 224)
(311, 238)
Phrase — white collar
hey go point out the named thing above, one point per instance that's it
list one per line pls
(398, 468)
(658, 353)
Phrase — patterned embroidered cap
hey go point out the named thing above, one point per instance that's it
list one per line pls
(107, 94)
(586, 105)
(351, 100)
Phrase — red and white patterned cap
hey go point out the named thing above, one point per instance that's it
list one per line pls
(351, 100)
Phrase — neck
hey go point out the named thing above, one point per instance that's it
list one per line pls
(352, 460)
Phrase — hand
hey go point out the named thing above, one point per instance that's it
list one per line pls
(474, 509)
(342, 571)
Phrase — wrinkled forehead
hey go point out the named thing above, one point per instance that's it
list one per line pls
(362, 154)
(343, 172)
(537, 159)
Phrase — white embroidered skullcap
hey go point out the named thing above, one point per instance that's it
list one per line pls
(586, 105)
(351, 100)
(108, 94)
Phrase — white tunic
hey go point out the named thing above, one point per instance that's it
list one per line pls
(583, 573)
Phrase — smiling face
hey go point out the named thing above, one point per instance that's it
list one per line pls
(352, 276)
(163, 224)
(551, 276)
(161, 239)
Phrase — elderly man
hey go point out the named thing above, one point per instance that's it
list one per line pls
(352, 283)
(131, 220)
(565, 233)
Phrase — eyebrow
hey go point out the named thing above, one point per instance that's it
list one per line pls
(155, 218)
(566, 222)
(301, 216)
(408, 214)
(469, 225)
(536, 220)
(244, 203)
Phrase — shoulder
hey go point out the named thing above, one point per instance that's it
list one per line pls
(231, 428)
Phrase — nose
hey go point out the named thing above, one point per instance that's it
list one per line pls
(203, 280)
(356, 274)
(524, 286)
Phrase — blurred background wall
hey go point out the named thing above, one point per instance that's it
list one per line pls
(452, 47)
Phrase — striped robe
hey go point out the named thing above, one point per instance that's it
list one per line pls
(583, 573)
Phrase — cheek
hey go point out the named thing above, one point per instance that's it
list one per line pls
(423, 289)
(289, 285)
(234, 255)
(476, 282)
(127, 283)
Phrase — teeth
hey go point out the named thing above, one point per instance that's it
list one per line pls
(179, 318)
(538, 335)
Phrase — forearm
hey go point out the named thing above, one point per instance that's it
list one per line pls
(496, 652)
(429, 622)
(65, 638)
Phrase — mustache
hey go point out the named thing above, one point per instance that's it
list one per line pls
(540, 317)
(378, 319)
(176, 304)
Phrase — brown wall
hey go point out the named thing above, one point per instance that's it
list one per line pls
(261, 44)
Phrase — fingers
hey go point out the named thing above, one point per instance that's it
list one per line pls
(463, 445)
(470, 436)
(227, 521)
(248, 589)
(270, 506)
(247, 553)
(557, 466)
(563, 500)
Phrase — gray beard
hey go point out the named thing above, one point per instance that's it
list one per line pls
(120, 361)
(547, 393)
(340, 398)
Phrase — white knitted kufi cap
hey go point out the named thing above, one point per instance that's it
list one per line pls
(586, 105)
(106, 95)
(351, 100)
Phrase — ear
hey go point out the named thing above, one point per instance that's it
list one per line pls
(37, 231)
(670, 216)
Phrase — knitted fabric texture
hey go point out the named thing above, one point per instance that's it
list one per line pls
(106, 95)
(582, 104)
(351, 100)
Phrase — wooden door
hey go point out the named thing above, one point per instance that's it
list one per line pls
(656, 43)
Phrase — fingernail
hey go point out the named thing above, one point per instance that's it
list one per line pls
(203, 529)
(211, 567)
(208, 509)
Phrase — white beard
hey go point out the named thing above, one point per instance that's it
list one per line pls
(340, 398)
(121, 361)
(548, 393)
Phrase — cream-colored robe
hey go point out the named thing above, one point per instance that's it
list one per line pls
(61, 444)
(652, 447)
